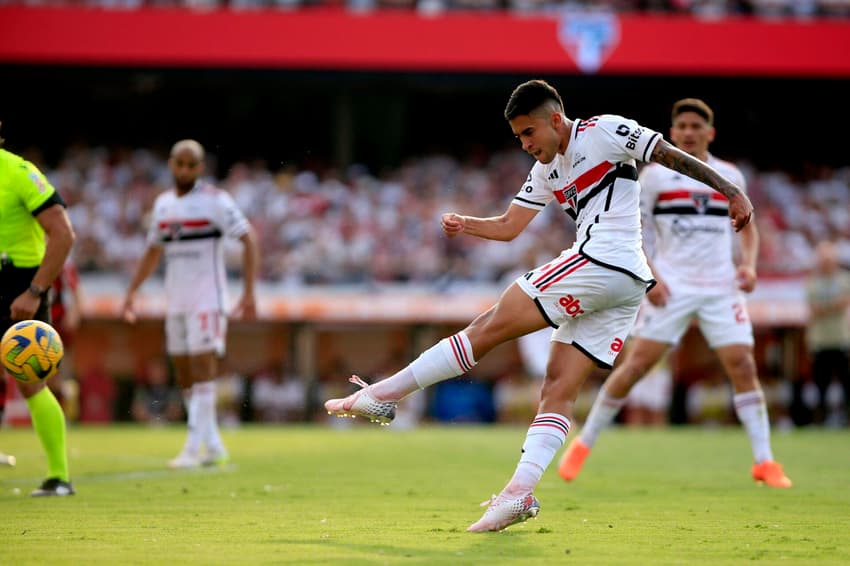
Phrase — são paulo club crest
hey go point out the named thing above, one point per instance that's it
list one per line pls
(589, 37)
(701, 202)
(570, 195)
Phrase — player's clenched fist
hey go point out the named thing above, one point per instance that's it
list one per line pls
(452, 224)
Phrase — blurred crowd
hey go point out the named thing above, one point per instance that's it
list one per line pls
(355, 227)
(700, 8)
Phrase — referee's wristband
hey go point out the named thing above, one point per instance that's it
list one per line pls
(35, 290)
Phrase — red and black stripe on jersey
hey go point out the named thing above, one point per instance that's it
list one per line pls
(683, 201)
(582, 125)
(187, 229)
(591, 183)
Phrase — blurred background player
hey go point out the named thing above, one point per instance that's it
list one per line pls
(188, 224)
(66, 304)
(648, 403)
(35, 240)
(827, 334)
(590, 293)
(696, 278)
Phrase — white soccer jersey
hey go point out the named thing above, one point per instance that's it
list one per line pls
(190, 228)
(693, 245)
(595, 182)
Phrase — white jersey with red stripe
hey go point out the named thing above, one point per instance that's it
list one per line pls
(190, 228)
(595, 183)
(693, 244)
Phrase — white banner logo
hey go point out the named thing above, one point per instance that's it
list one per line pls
(589, 37)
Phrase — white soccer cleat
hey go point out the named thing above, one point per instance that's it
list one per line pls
(7, 460)
(504, 511)
(184, 461)
(362, 404)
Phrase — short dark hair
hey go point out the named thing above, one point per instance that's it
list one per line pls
(693, 105)
(529, 96)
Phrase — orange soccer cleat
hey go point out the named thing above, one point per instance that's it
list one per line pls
(770, 473)
(573, 459)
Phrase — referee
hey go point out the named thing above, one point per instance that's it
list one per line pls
(35, 239)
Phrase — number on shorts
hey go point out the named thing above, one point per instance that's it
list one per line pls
(740, 313)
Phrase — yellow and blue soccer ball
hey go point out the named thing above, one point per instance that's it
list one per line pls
(31, 351)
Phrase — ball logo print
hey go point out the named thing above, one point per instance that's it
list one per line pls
(31, 351)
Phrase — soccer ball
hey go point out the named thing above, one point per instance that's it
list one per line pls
(31, 351)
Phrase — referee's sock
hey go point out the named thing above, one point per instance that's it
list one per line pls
(48, 420)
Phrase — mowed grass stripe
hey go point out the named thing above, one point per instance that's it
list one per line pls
(369, 495)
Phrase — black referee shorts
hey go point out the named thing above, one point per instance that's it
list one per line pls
(13, 282)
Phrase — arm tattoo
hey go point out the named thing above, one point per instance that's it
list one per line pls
(676, 159)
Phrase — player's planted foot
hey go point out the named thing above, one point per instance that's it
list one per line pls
(362, 404)
(53, 487)
(7, 460)
(504, 511)
(215, 459)
(771, 474)
(573, 459)
(184, 461)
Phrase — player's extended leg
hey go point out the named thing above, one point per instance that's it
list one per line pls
(514, 315)
(566, 372)
(640, 356)
(48, 420)
(750, 406)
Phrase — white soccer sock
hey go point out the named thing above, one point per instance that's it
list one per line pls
(207, 417)
(450, 357)
(602, 414)
(546, 435)
(193, 435)
(752, 412)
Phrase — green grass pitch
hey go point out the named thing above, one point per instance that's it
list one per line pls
(369, 495)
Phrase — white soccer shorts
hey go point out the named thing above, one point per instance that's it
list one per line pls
(722, 318)
(592, 307)
(196, 333)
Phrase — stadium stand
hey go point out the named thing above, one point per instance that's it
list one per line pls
(356, 228)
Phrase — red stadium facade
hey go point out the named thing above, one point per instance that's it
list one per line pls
(328, 39)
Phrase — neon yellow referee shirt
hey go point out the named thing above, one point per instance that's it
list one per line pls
(23, 192)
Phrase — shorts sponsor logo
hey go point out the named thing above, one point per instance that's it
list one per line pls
(616, 345)
(571, 306)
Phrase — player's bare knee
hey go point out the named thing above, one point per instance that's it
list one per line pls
(742, 372)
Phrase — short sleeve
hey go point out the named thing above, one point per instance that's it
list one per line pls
(626, 139)
(233, 221)
(535, 192)
(154, 237)
(31, 186)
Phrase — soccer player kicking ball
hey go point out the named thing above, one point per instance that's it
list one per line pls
(697, 280)
(590, 293)
(188, 224)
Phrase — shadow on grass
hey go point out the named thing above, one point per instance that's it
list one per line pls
(436, 546)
